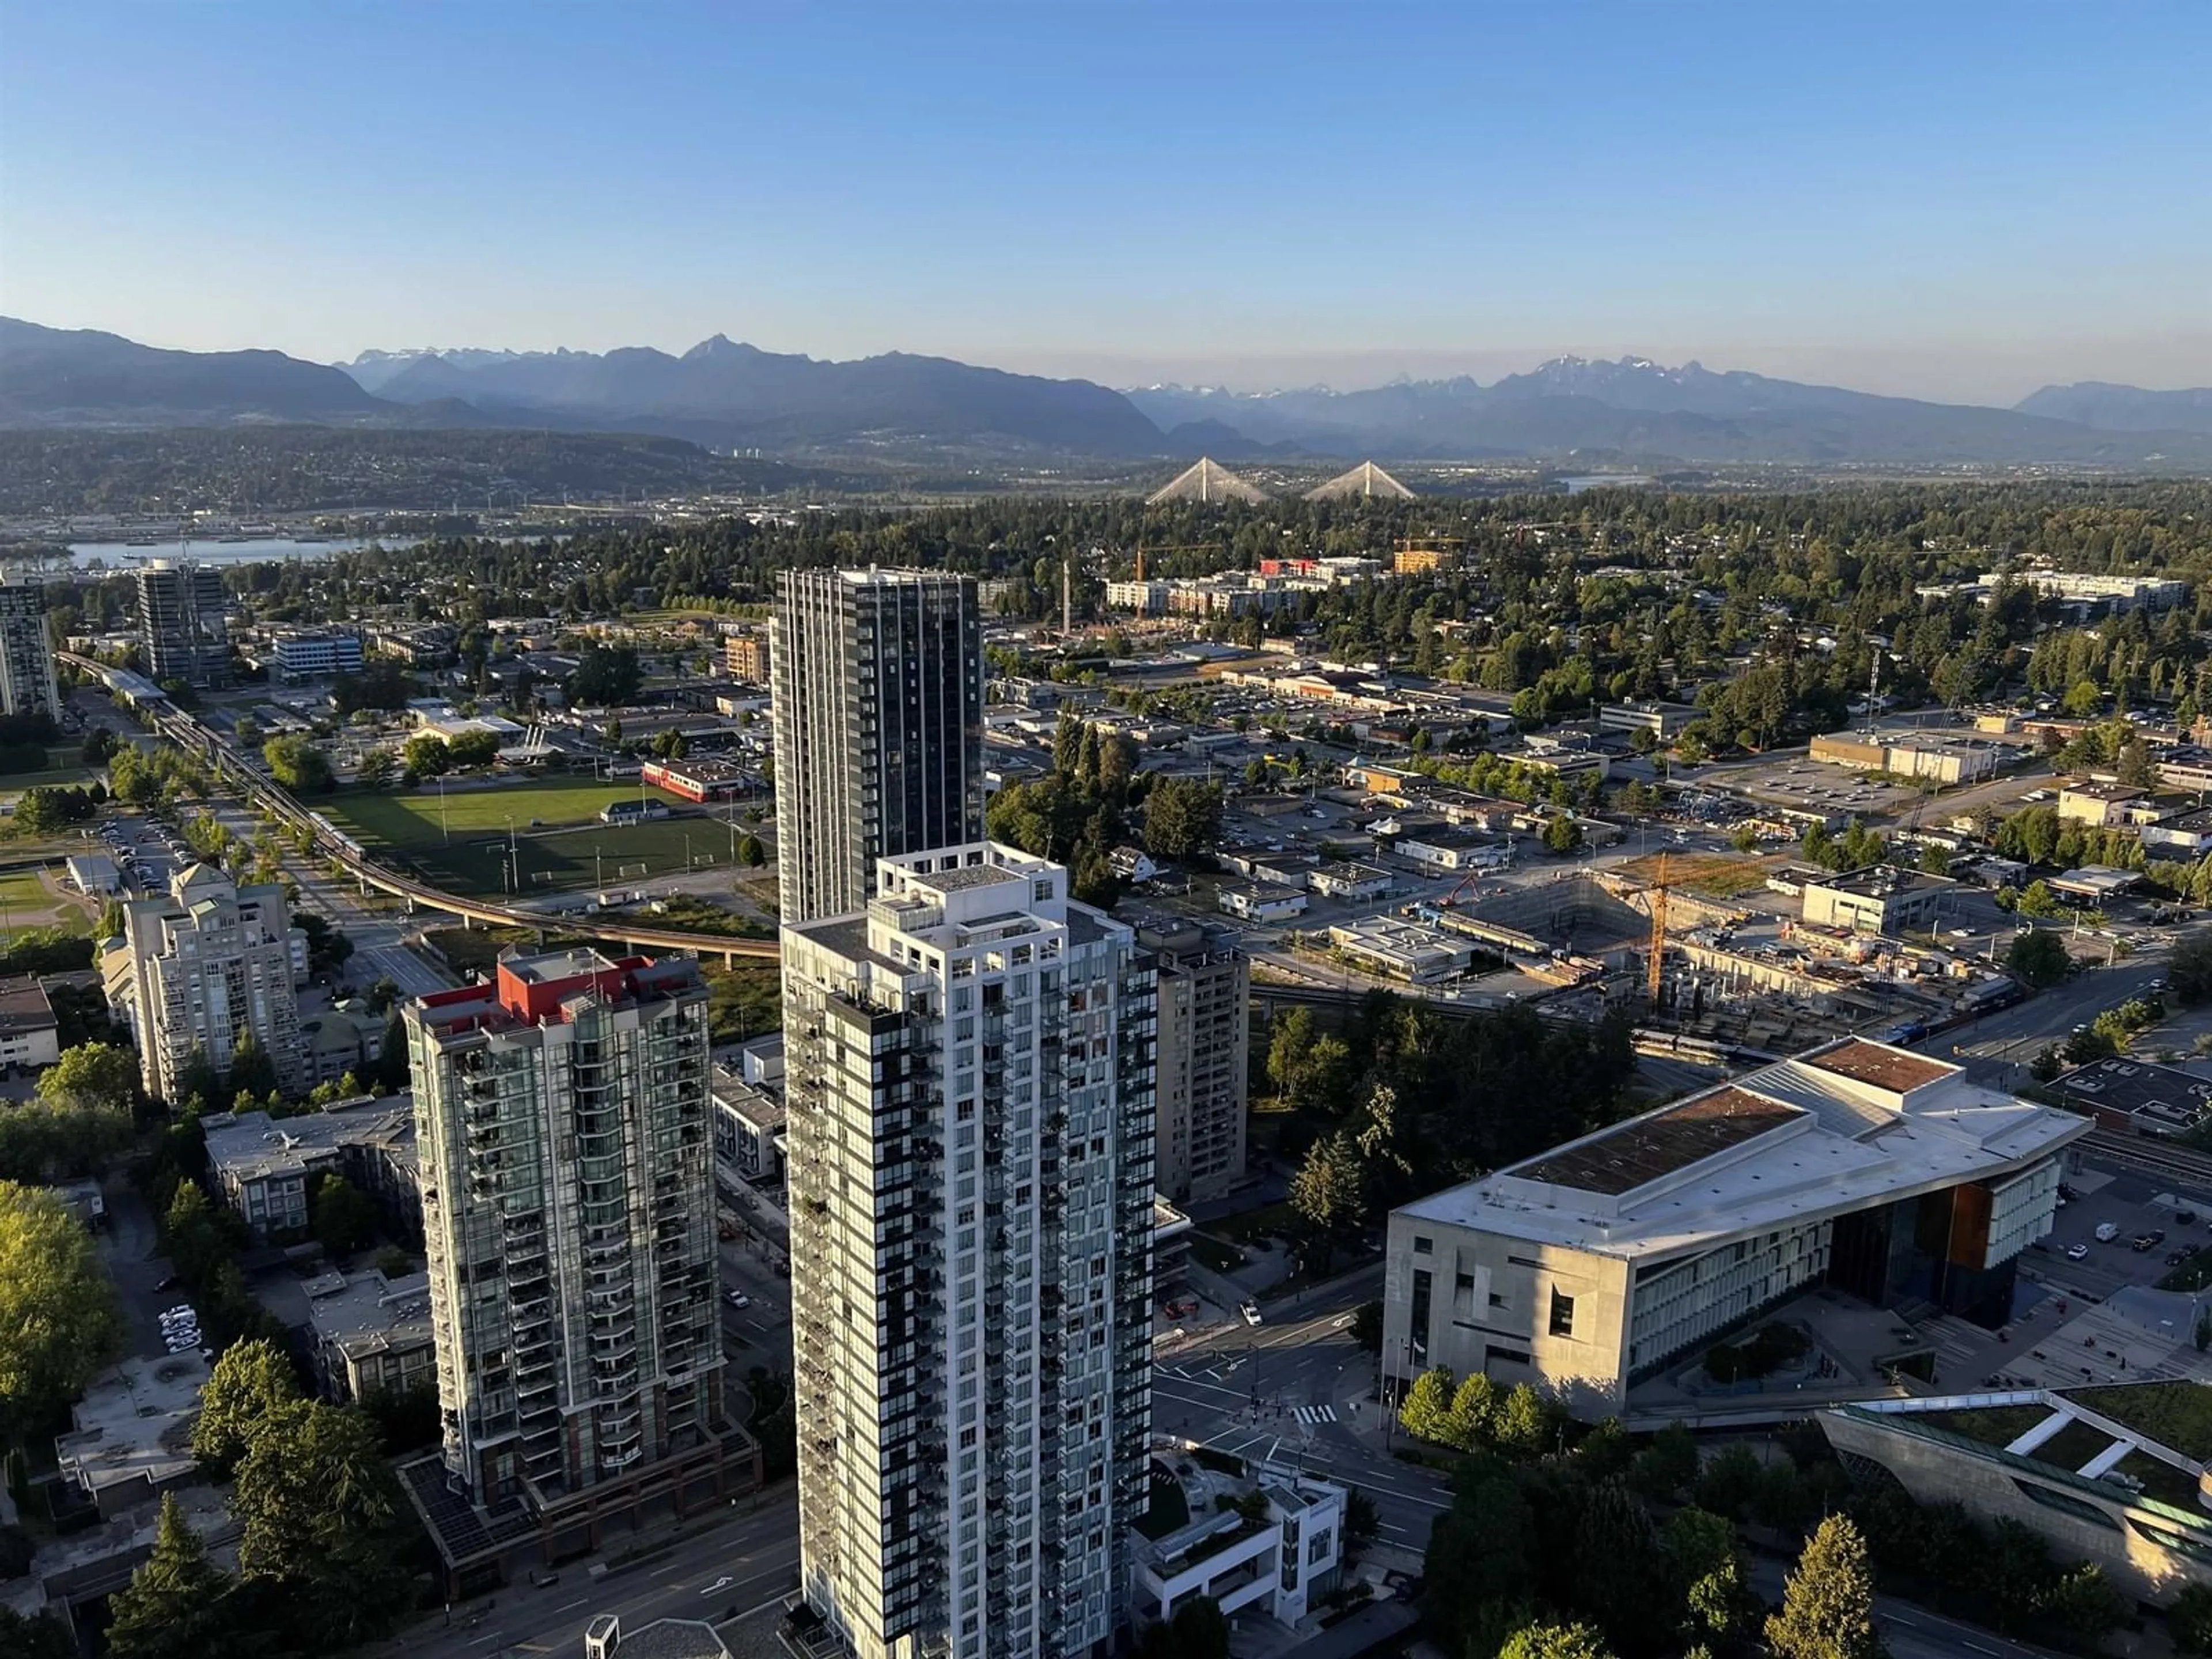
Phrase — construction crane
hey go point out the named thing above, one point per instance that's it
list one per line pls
(1657, 975)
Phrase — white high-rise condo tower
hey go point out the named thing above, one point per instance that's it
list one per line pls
(969, 1074)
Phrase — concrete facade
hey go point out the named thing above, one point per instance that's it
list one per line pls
(1877, 1170)
(2151, 1548)
(200, 971)
(561, 1115)
(969, 1082)
(27, 655)
(1204, 1042)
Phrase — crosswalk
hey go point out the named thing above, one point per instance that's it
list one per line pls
(1315, 1413)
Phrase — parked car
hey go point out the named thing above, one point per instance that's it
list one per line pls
(2077, 1252)
(739, 1299)
(1250, 1310)
(2108, 1231)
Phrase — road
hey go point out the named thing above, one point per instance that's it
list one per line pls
(2002, 1045)
(1297, 1392)
(731, 1567)
(1908, 1630)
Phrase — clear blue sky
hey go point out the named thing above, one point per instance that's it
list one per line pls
(1946, 199)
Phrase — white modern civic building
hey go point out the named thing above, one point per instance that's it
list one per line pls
(1880, 1171)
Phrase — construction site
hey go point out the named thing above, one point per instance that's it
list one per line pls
(1743, 972)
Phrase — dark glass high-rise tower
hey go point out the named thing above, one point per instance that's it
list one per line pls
(878, 680)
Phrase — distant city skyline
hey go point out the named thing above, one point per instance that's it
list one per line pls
(1961, 205)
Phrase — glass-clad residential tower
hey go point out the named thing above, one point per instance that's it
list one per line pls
(878, 710)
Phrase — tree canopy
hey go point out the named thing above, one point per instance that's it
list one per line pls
(59, 1320)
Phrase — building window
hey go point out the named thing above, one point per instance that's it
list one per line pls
(1423, 1246)
(1493, 1353)
(1563, 1315)
(1464, 1282)
(1419, 1347)
(1496, 1300)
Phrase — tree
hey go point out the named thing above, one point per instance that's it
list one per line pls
(2188, 970)
(320, 1512)
(426, 756)
(1367, 1325)
(40, 1636)
(1713, 1576)
(605, 676)
(1329, 1193)
(1198, 1630)
(91, 1078)
(472, 748)
(1666, 1466)
(2084, 1602)
(751, 852)
(2189, 1619)
(345, 1218)
(252, 1381)
(1728, 1482)
(1525, 1422)
(1182, 817)
(377, 769)
(297, 765)
(1576, 1641)
(59, 1322)
(2039, 958)
(1563, 835)
(1827, 1607)
(173, 1606)
(1426, 1412)
(252, 1070)
(1474, 1409)
(1308, 1068)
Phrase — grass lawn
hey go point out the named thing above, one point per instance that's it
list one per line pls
(14, 783)
(2175, 1414)
(410, 819)
(572, 848)
(27, 901)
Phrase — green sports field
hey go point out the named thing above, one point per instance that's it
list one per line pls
(570, 847)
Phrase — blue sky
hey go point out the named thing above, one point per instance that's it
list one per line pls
(1944, 199)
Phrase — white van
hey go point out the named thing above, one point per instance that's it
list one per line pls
(2108, 1231)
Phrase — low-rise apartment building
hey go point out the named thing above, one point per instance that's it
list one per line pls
(372, 1334)
(1281, 1560)
(1877, 1171)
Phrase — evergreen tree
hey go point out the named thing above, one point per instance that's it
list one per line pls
(1827, 1609)
(252, 1382)
(173, 1607)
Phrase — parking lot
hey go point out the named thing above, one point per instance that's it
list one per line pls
(1818, 786)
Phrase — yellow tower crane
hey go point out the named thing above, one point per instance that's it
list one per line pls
(1657, 975)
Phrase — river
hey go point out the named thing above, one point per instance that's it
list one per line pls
(126, 556)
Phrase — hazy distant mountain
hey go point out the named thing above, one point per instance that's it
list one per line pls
(724, 392)
(2123, 408)
(373, 370)
(1640, 409)
(74, 377)
(728, 395)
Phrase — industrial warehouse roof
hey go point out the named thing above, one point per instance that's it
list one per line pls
(1837, 1129)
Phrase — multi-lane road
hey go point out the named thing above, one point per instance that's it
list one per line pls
(1299, 1392)
(729, 1565)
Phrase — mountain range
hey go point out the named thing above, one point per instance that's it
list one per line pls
(727, 394)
